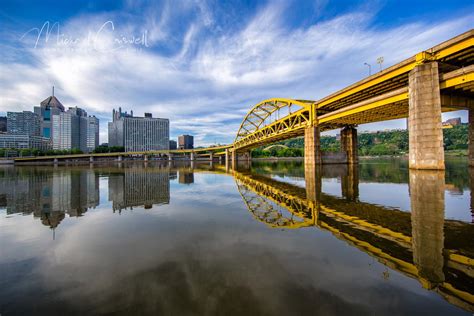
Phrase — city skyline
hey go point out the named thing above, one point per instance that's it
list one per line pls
(205, 72)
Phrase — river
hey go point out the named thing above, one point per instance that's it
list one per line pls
(270, 238)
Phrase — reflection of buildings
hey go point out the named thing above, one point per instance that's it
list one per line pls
(186, 177)
(138, 186)
(49, 195)
(421, 244)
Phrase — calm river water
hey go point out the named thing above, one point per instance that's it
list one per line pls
(265, 239)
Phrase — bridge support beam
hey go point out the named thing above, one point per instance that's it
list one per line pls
(349, 144)
(424, 118)
(312, 148)
(427, 221)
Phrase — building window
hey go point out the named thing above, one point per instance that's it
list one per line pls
(46, 132)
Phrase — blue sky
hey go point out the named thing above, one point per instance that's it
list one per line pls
(203, 64)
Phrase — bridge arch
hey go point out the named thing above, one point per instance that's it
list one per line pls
(270, 115)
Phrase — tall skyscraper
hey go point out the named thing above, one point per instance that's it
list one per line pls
(73, 129)
(48, 107)
(65, 131)
(23, 123)
(92, 129)
(186, 142)
(138, 133)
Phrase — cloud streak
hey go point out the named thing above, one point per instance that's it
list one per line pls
(202, 76)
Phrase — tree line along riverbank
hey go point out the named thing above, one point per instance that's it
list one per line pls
(380, 143)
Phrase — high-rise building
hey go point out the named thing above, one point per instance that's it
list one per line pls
(23, 123)
(48, 107)
(173, 145)
(92, 132)
(65, 131)
(3, 124)
(73, 129)
(138, 133)
(186, 142)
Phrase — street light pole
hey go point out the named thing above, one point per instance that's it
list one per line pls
(370, 68)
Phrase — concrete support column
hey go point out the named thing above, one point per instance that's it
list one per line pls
(91, 159)
(119, 158)
(227, 159)
(349, 144)
(427, 223)
(424, 114)
(234, 159)
(471, 181)
(471, 137)
(55, 161)
(350, 182)
(191, 156)
(211, 159)
(145, 157)
(312, 148)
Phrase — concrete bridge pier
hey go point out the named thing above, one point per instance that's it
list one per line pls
(234, 159)
(424, 118)
(349, 144)
(191, 156)
(227, 159)
(91, 159)
(427, 221)
(145, 158)
(471, 137)
(471, 182)
(312, 147)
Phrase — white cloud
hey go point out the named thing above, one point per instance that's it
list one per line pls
(202, 81)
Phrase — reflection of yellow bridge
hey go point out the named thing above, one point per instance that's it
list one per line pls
(388, 239)
(420, 88)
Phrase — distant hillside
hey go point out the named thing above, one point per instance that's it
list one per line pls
(370, 144)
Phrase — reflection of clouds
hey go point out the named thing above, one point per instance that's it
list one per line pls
(206, 257)
(28, 237)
